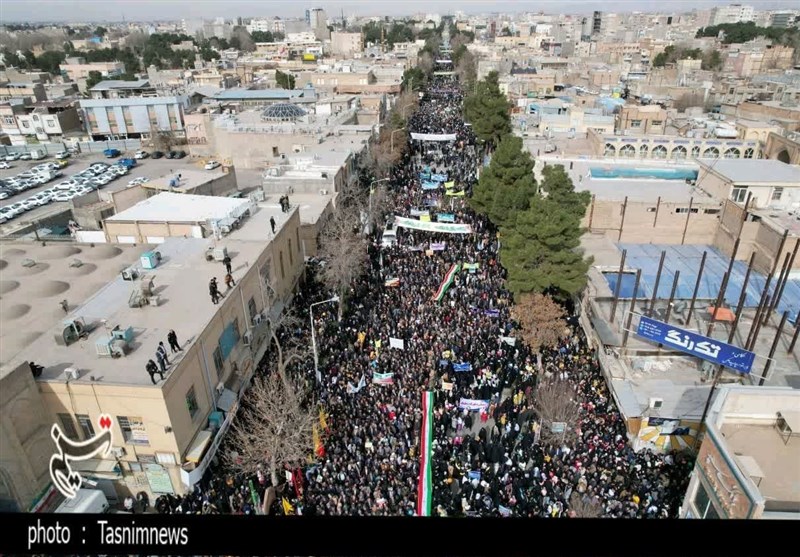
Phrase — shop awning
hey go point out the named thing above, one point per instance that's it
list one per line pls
(198, 446)
(98, 468)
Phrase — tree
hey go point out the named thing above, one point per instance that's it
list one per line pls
(49, 61)
(241, 40)
(272, 428)
(541, 251)
(93, 79)
(426, 63)
(344, 252)
(712, 60)
(541, 320)
(284, 80)
(487, 109)
(262, 36)
(555, 401)
(558, 187)
(162, 140)
(466, 70)
(507, 186)
(100, 31)
(414, 79)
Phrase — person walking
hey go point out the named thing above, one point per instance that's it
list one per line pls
(213, 290)
(162, 363)
(152, 369)
(172, 339)
(227, 263)
(229, 281)
(163, 351)
(272, 224)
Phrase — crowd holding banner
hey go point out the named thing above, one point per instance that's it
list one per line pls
(440, 422)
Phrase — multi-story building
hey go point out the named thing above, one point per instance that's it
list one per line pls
(76, 68)
(49, 121)
(134, 117)
(746, 467)
(32, 91)
(116, 89)
(346, 45)
(734, 13)
(766, 183)
(783, 19)
(165, 431)
(641, 120)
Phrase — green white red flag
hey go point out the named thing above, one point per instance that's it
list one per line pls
(425, 490)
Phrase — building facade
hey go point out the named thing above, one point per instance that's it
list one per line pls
(671, 147)
(136, 117)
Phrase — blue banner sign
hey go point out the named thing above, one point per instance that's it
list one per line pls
(694, 344)
(446, 217)
(439, 177)
(431, 185)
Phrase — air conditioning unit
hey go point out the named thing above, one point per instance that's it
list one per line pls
(248, 337)
(129, 274)
(118, 452)
(656, 403)
(72, 374)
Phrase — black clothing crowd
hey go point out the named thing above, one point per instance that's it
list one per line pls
(486, 462)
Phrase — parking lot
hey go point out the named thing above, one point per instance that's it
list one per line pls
(145, 168)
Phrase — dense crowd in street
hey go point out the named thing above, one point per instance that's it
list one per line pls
(487, 461)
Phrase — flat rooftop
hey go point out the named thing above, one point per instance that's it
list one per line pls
(181, 281)
(182, 207)
(754, 171)
(617, 189)
(779, 461)
(190, 178)
(30, 296)
(781, 219)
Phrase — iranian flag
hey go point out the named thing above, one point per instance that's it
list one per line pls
(425, 490)
(447, 282)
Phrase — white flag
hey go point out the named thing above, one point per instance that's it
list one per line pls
(361, 384)
(397, 343)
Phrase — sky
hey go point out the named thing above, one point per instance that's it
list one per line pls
(161, 10)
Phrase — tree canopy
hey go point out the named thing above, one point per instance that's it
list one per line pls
(747, 31)
(488, 110)
(284, 80)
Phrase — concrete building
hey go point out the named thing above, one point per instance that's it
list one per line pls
(345, 45)
(747, 466)
(28, 308)
(48, 121)
(175, 215)
(670, 147)
(135, 117)
(641, 120)
(76, 68)
(767, 183)
(733, 13)
(166, 434)
(116, 89)
(33, 92)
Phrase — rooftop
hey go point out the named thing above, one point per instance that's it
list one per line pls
(265, 94)
(30, 296)
(181, 282)
(754, 171)
(190, 179)
(109, 84)
(182, 207)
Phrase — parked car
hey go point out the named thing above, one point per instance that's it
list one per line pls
(7, 213)
(127, 163)
(18, 208)
(25, 157)
(98, 166)
(38, 154)
(156, 154)
(138, 181)
(141, 155)
(5, 194)
(63, 155)
(4, 165)
(180, 154)
(119, 170)
(64, 196)
(211, 165)
(172, 155)
(11, 157)
(112, 153)
(62, 163)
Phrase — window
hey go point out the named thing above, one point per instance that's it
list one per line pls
(237, 334)
(777, 193)
(659, 152)
(191, 403)
(297, 236)
(86, 425)
(218, 362)
(252, 311)
(685, 210)
(283, 272)
(748, 153)
(610, 150)
(656, 123)
(8, 120)
(643, 151)
(275, 152)
(702, 503)
(25, 124)
(739, 195)
(636, 123)
(68, 426)
(133, 431)
(695, 151)
(711, 211)
(651, 209)
(291, 256)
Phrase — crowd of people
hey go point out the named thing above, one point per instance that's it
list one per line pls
(396, 341)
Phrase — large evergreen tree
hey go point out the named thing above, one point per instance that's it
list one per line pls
(507, 186)
(488, 110)
(541, 251)
(558, 187)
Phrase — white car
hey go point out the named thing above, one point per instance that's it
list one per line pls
(7, 213)
(211, 165)
(63, 196)
(98, 167)
(4, 165)
(19, 207)
(25, 157)
(63, 155)
(65, 186)
(120, 170)
(12, 157)
(40, 199)
(138, 181)
(141, 155)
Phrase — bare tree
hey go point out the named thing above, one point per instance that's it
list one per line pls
(162, 140)
(273, 429)
(344, 252)
(581, 506)
(466, 69)
(293, 350)
(426, 63)
(555, 401)
(542, 322)
(688, 100)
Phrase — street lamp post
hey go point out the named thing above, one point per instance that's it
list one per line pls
(314, 335)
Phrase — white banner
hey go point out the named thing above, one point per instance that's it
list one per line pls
(434, 136)
(397, 343)
(433, 226)
(511, 341)
(473, 404)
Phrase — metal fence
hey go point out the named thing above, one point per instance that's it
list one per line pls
(50, 149)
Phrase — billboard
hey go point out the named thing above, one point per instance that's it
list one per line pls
(694, 344)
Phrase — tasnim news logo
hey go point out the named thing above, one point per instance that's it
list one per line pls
(67, 481)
